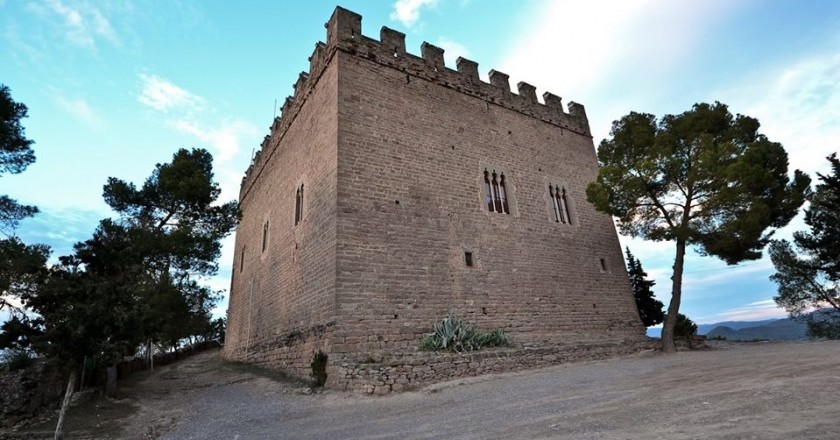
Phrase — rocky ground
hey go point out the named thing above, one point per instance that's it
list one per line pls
(731, 391)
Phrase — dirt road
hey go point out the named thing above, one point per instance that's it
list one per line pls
(734, 391)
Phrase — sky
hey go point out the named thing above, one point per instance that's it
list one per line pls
(114, 87)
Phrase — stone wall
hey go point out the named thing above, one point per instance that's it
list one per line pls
(413, 145)
(407, 371)
(282, 302)
(25, 392)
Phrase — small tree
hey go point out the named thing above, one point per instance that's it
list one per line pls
(808, 273)
(650, 308)
(685, 327)
(702, 178)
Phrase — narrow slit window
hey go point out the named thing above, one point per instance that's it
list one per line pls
(241, 259)
(265, 236)
(299, 204)
(603, 265)
(468, 259)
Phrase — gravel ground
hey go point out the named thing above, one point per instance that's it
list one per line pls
(762, 391)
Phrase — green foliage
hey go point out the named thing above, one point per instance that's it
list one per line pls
(829, 329)
(17, 333)
(453, 334)
(21, 265)
(216, 331)
(17, 359)
(15, 149)
(137, 277)
(168, 235)
(650, 308)
(685, 327)
(808, 272)
(319, 368)
(12, 212)
(703, 178)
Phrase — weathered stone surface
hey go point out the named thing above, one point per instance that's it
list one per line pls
(390, 150)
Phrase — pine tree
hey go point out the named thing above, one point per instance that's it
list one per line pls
(808, 270)
(650, 308)
(703, 178)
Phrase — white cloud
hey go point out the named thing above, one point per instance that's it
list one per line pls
(224, 137)
(452, 50)
(80, 110)
(407, 12)
(577, 49)
(81, 22)
(797, 105)
(163, 95)
(754, 311)
(190, 114)
(717, 273)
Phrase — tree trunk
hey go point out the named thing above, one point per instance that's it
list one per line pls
(65, 405)
(111, 380)
(668, 345)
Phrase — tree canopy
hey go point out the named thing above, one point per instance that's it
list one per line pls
(15, 149)
(703, 178)
(21, 265)
(650, 308)
(808, 272)
(138, 277)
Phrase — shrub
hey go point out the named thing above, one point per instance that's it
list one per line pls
(16, 359)
(319, 368)
(453, 334)
(685, 327)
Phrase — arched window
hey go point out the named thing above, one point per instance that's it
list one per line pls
(503, 194)
(560, 211)
(496, 192)
(555, 208)
(564, 207)
(488, 191)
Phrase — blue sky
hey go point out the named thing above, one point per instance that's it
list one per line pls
(114, 87)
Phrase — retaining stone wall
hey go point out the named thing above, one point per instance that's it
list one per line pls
(370, 374)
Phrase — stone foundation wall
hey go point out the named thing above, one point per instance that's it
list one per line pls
(291, 353)
(383, 374)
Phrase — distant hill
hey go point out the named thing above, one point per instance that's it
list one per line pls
(776, 329)
(773, 329)
(704, 329)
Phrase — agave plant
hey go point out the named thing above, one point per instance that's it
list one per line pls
(453, 334)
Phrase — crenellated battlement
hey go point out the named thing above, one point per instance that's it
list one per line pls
(344, 33)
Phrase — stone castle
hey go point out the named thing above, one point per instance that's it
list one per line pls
(394, 189)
